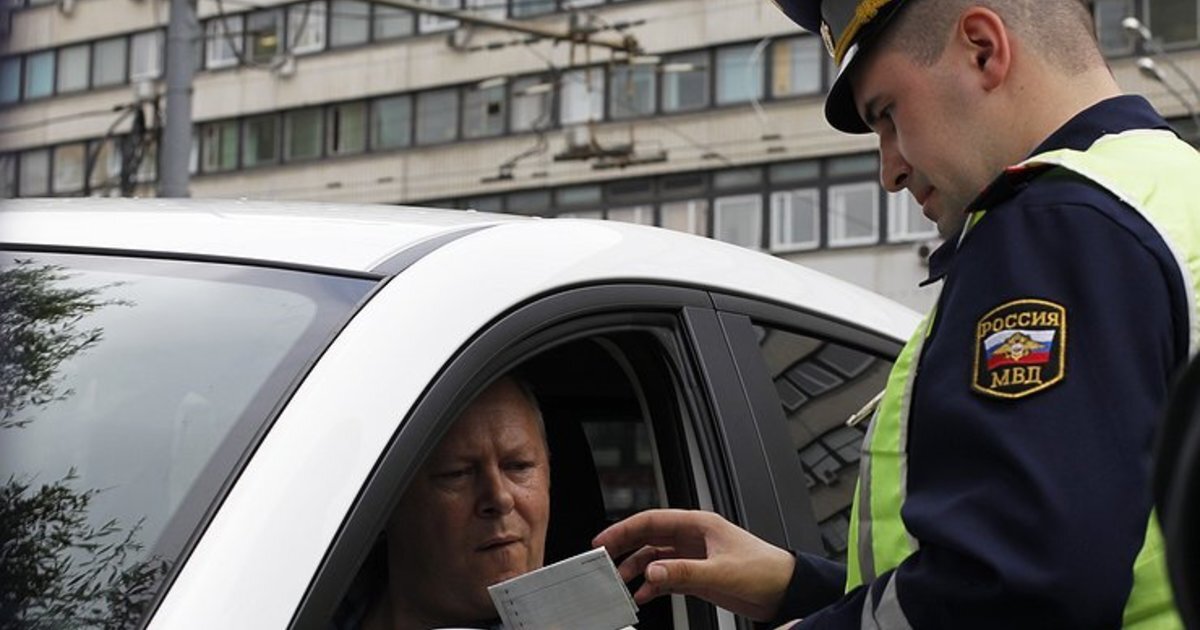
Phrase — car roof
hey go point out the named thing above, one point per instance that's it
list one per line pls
(348, 237)
(357, 238)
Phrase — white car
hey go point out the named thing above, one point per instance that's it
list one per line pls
(210, 407)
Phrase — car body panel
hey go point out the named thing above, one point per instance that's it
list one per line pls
(253, 564)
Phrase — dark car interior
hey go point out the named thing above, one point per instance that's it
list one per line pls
(599, 396)
(593, 409)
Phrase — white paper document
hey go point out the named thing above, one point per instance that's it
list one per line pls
(583, 592)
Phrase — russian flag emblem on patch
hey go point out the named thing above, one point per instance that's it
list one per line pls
(1020, 348)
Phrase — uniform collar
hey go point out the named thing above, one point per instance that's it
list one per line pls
(1110, 116)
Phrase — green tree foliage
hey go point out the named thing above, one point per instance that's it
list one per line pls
(39, 329)
(57, 569)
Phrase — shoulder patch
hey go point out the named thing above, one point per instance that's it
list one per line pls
(1019, 348)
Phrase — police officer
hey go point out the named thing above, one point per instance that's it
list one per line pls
(1005, 476)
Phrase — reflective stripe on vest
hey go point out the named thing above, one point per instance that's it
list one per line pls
(1150, 171)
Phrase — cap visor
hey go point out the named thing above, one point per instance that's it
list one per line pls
(840, 109)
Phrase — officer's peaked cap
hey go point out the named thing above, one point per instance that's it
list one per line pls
(847, 26)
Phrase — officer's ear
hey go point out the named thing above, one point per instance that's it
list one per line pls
(986, 46)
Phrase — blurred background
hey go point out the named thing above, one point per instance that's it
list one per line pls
(697, 115)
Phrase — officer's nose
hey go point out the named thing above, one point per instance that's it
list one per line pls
(893, 169)
(495, 496)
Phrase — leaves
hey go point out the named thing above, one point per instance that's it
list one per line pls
(57, 569)
(40, 327)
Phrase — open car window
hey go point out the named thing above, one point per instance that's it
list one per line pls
(619, 408)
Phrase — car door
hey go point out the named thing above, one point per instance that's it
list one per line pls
(806, 375)
(643, 373)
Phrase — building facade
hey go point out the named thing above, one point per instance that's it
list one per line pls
(713, 125)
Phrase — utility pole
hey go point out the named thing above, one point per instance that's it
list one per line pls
(175, 144)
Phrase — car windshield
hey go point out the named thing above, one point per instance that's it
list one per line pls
(130, 390)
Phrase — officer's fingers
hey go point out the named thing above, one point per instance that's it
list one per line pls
(651, 527)
(633, 566)
(715, 582)
(684, 576)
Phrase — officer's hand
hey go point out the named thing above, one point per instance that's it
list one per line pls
(700, 554)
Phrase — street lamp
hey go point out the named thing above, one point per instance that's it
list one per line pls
(1135, 28)
(1149, 69)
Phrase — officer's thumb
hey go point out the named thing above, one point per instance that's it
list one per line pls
(674, 576)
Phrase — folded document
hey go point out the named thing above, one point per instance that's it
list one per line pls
(583, 592)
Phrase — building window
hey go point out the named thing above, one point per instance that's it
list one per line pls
(437, 116)
(8, 176)
(906, 221)
(219, 146)
(483, 111)
(347, 128)
(685, 82)
(260, 140)
(39, 74)
(531, 98)
(577, 196)
(108, 62)
(738, 220)
(739, 75)
(391, 122)
(796, 66)
(860, 165)
(737, 178)
(853, 214)
(147, 168)
(194, 153)
(579, 4)
(145, 56)
(10, 80)
(631, 91)
(391, 22)
(581, 214)
(643, 215)
(489, 203)
(302, 134)
(689, 216)
(582, 96)
(68, 168)
(224, 41)
(349, 23)
(488, 8)
(528, 202)
(1108, 15)
(1174, 22)
(35, 173)
(791, 172)
(264, 35)
(105, 165)
(795, 219)
(527, 8)
(628, 192)
(73, 65)
(433, 23)
(306, 27)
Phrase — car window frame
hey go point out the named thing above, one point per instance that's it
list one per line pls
(508, 339)
(739, 315)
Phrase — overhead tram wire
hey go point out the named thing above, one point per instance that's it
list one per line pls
(730, 148)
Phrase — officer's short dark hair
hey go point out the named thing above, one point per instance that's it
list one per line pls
(1062, 30)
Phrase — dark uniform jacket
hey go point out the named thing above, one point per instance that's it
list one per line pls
(1029, 512)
